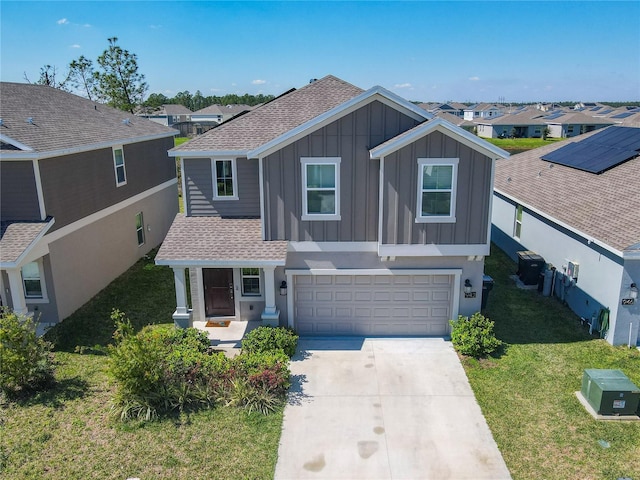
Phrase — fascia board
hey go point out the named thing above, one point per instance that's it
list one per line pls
(375, 93)
(207, 153)
(561, 223)
(15, 143)
(32, 155)
(231, 263)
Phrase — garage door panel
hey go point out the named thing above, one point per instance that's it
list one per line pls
(372, 305)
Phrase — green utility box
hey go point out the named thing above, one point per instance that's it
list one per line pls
(610, 392)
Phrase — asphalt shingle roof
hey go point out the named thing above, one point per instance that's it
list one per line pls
(603, 206)
(275, 118)
(61, 120)
(16, 237)
(211, 239)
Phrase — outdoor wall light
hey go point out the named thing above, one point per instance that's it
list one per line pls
(467, 286)
(283, 288)
(633, 291)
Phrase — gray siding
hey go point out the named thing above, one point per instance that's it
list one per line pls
(350, 138)
(78, 185)
(198, 177)
(400, 192)
(18, 193)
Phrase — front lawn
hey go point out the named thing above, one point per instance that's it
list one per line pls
(68, 432)
(527, 393)
(521, 144)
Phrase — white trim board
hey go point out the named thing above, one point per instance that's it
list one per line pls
(433, 250)
(373, 271)
(333, 246)
(232, 263)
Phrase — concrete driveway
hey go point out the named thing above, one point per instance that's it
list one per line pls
(380, 408)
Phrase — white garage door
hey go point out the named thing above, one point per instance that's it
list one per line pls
(372, 304)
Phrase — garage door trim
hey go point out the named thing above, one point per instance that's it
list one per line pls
(455, 272)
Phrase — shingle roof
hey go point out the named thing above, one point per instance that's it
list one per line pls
(175, 109)
(223, 110)
(275, 118)
(604, 206)
(16, 237)
(529, 117)
(61, 120)
(578, 118)
(219, 240)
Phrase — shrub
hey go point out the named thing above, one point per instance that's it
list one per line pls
(474, 336)
(266, 339)
(26, 361)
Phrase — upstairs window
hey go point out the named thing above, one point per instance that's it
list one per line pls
(437, 179)
(119, 167)
(224, 179)
(250, 282)
(320, 188)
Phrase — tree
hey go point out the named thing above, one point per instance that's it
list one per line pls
(119, 83)
(82, 76)
(49, 77)
(156, 100)
(183, 98)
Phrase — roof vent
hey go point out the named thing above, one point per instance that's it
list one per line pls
(30, 120)
(127, 121)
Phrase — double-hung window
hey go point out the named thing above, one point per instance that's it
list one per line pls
(33, 282)
(140, 229)
(517, 228)
(250, 282)
(225, 185)
(119, 167)
(437, 179)
(320, 188)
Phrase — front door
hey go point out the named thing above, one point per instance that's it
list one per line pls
(218, 291)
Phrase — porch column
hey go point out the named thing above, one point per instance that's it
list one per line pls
(17, 291)
(270, 316)
(182, 315)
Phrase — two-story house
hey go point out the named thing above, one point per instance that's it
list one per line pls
(85, 190)
(335, 211)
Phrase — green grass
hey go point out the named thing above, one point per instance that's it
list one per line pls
(68, 432)
(527, 393)
(521, 143)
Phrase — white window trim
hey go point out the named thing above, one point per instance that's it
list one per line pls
(517, 222)
(144, 237)
(234, 173)
(115, 166)
(451, 218)
(43, 285)
(258, 276)
(320, 161)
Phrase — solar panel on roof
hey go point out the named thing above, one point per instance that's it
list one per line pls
(604, 112)
(554, 116)
(623, 115)
(595, 109)
(600, 152)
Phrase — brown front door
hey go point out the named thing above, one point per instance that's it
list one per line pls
(218, 291)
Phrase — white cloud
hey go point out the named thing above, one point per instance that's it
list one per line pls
(87, 25)
(402, 85)
(63, 21)
(258, 82)
(75, 45)
(474, 79)
(155, 27)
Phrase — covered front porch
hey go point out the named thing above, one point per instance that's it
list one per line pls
(223, 271)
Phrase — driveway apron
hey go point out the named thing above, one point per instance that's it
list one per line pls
(382, 408)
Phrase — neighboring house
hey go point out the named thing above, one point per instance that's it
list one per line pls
(85, 191)
(452, 108)
(576, 202)
(526, 124)
(567, 124)
(482, 110)
(335, 211)
(213, 115)
(168, 115)
(457, 120)
(628, 117)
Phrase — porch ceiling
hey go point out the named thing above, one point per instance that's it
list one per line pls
(211, 241)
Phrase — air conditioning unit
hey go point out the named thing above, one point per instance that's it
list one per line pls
(610, 392)
(530, 264)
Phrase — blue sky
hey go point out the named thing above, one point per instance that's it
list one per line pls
(421, 50)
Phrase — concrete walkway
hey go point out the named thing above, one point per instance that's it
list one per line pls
(383, 409)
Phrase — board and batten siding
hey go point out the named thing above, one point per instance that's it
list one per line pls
(400, 192)
(198, 181)
(18, 191)
(75, 186)
(349, 138)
